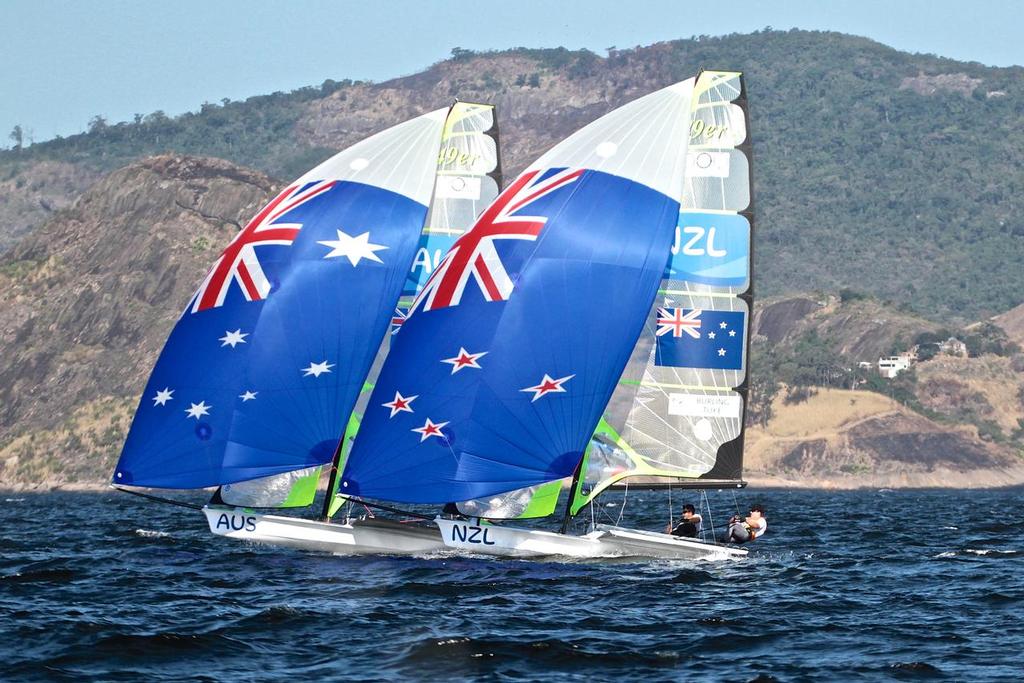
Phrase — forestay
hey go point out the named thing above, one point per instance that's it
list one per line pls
(514, 344)
(262, 369)
(678, 411)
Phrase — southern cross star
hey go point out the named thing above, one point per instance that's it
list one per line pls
(198, 410)
(317, 369)
(163, 397)
(547, 386)
(233, 338)
(464, 359)
(400, 404)
(353, 248)
(429, 429)
(248, 396)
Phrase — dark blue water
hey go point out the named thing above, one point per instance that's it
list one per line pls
(845, 586)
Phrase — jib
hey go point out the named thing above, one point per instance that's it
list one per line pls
(236, 522)
(470, 534)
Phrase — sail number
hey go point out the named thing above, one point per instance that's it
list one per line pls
(235, 522)
(709, 130)
(470, 534)
(695, 247)
(453, 156)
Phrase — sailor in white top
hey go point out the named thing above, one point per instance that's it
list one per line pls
(745, 530)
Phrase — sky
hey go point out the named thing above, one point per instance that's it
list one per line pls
(63, 62)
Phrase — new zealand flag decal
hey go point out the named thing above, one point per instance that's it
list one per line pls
(700, 338)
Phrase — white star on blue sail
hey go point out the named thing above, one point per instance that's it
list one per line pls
(163, 396)
(232, 339)
(353, 248)
(317, 369)
(198, 410)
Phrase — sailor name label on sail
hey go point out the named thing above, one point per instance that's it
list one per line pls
(711, 249)
(701, 405)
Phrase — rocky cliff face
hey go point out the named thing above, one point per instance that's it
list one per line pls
(91, 296)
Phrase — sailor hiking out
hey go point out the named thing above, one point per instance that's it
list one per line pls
(748, 529)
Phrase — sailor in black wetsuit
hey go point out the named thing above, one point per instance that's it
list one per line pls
(689, 526)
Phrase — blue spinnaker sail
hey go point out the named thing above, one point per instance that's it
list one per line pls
(512, 348)
(261, 371)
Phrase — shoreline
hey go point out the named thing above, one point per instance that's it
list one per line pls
(937, 479)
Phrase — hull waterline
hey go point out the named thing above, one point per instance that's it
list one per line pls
(359, 537)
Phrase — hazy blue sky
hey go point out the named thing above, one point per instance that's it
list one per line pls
(63, 62)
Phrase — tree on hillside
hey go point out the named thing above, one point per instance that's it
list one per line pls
(18, 136)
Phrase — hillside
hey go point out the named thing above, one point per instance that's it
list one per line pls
(877, 170)
(820, 419)
(89, 299)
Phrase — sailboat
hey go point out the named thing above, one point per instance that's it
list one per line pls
(258, 387)
(608, 285)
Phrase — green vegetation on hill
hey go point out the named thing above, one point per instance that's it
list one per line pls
(891, 173)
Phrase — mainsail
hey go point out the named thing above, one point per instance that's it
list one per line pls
(679, 408)
(260, 373)
(515, 343)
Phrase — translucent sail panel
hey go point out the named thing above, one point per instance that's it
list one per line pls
(502, 369)
(680, 403)
(261, 371)
(468, 180)
(531, 502)
(287, 490)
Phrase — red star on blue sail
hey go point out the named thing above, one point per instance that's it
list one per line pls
(548, 386)
(429, 429)
(400, 404)
(464, 359)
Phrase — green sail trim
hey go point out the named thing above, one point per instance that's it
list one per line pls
(350, 434)
(638, 467)
(303, 491)
(544, 501)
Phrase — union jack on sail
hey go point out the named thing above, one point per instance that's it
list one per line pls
(239, 262)
(474, 254)
(674, 321)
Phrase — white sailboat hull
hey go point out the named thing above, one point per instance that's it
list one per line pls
(603, 542)
(377, 536)
(359, 537)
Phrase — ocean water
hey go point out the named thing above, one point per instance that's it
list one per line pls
(881, 585)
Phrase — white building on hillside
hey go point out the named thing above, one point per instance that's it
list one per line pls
(891, 366)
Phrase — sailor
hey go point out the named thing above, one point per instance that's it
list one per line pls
(689, 526)
(746, 530)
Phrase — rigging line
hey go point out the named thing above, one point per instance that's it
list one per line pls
(159, 499)
(671, 512)
(625, 495)
(388, 508)
(711, 519)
